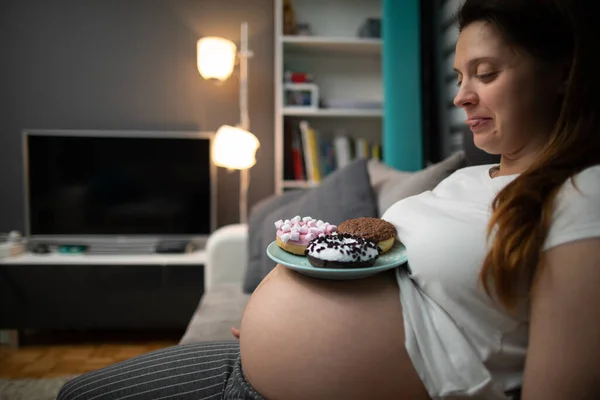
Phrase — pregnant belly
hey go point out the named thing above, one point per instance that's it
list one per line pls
(306, 338)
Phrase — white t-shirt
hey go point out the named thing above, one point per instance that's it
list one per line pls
(460, 341)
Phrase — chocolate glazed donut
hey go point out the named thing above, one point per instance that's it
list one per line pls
(342, 251)
(376, 229)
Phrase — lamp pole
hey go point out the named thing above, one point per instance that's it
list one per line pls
(244, 118)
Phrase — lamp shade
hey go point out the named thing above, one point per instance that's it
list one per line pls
(215, 57)
(234, 148)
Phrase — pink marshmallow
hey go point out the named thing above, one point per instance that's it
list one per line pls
(312, 223)
(303, 229)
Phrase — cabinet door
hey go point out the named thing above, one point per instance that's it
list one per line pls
(99, 296)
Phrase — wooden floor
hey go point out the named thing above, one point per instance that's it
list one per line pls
(59, 354)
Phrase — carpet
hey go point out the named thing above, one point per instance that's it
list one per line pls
(31, 389)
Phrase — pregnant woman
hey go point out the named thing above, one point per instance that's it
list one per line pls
(501, 292)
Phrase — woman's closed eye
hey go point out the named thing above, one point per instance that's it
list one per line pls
(487, 77)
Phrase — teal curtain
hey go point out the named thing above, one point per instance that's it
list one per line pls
(402, 124)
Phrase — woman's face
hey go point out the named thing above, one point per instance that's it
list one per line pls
(510, 98)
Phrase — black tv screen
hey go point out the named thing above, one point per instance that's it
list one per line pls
(118, 185)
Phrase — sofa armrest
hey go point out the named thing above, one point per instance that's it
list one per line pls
(226, 256)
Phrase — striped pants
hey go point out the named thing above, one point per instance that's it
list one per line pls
(195, 371)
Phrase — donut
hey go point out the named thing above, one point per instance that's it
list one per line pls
(340, 250)
(293, 235)
(380, 231)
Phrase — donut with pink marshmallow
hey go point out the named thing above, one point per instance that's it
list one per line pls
(293, 235)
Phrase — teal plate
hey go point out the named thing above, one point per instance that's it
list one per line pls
(395, 257)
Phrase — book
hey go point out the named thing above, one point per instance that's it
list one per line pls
(311, 160)
(288, 148)
(343, 151)
(362, 148)
(312, 156)
(313, 140)
(297, 158)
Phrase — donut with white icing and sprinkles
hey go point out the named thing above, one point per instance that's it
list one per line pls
(294, 235)
(341, 250)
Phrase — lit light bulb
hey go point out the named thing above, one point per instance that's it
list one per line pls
(215, 57)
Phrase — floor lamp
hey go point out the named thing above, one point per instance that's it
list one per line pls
(234, 147)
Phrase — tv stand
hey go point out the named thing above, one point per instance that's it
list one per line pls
(136, 247)
(173, 246)
(83, 291)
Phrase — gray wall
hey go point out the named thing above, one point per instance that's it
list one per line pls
(128, 64)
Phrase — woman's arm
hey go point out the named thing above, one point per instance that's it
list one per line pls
(563, 360)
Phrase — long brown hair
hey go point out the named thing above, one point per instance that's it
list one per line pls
(552, 32)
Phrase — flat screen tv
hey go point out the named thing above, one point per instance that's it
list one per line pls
(118, 185)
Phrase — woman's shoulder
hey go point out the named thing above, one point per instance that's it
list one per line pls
(590, 176)
(583, 184)
(576, 213)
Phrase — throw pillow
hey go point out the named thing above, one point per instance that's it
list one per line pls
(258, 215)
(379, 173)
(344, 194)
(403, 185)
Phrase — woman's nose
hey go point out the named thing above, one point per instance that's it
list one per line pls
(465, 97)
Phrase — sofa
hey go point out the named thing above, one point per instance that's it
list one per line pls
(236, 260)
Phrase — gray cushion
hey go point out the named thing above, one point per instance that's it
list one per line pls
(220, 309)
(258, 214)
(344, 194)
(380, 173)
(405, 185)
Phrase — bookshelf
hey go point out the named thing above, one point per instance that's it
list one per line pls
(332, 45)
(344, 65)
(337, 112)
(297, 184)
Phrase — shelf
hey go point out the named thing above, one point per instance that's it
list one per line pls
(298, 184)
(194, 258)
(332, 45)
(333, 112)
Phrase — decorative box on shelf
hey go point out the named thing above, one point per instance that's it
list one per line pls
(11, 244)
(300, 96)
